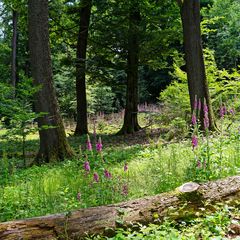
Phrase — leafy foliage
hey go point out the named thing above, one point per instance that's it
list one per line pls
(224, 88)
(16, 111)
(221, 24)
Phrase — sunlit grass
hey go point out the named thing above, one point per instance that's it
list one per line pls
(154, 166)
(152, 169)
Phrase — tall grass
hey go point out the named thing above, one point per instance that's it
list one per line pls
(152, 168)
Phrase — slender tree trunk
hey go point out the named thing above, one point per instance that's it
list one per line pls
(130, 124)
(196, 74)
(53, 142)
(14, 49)
(82, 123)
(187, 201)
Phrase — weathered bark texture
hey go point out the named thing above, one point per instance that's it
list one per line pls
(196, 74)
(130, 124)
(104, 220)
(53, 142)
(82, 123)
(14, 49)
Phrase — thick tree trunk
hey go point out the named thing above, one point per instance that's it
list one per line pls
(14, 49)
(186, 200)
(196, 74)
(130, 124)
(53, 142)
(82, 124)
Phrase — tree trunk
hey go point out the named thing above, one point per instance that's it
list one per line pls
(186, 201)
(53, 142)
(196, 74)
(14, 49)
(130, 124)
(82, 123)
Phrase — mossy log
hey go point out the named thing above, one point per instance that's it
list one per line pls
(105, 219)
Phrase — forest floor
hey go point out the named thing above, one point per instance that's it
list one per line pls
(157, 159)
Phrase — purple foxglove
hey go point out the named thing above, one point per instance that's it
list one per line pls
(194, 119)
(107, 174)
(89, 145)
(87, 166)
(99, 145)
(95, 177)
(125, 167)
(199, 105)
(195, 103)
(194, 141)
(206, 121)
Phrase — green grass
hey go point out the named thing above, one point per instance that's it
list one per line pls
(152, 169)
(154, 166)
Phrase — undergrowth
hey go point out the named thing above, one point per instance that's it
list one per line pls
(218, 225)
(112, 169)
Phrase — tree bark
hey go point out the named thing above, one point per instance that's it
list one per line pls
(196, 74)
(130, 124)
(14, 49)
(53, 142)
(82, 123)
(186, 200)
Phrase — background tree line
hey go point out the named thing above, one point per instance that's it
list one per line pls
(108, 55)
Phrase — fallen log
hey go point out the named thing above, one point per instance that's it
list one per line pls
(105, 219)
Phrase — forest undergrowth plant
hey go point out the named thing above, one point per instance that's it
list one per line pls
(209, 225)
(17, 112)
(7, 169)
(105, 186)
(104, 174)
(199, 164)
(200, 168)
(210, 159)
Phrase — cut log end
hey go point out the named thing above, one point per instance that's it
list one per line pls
(189, 187)
(189, 192)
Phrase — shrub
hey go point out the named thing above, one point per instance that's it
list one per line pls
(224, 88)
(16, 112)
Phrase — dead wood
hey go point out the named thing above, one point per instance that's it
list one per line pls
(105, 219)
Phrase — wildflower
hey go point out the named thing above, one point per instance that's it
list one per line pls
(107, 174)
(125, 190)
(195, 103)
(222, 111)
(206, 119)
(199, 105)
(99, 145)
(95, 177)
(78, 196)
(231, 111)
(87, 166)
(199, 164)
(194, 119)
(205, 107)
(125, 167)
(89, 145)
(194, 141)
